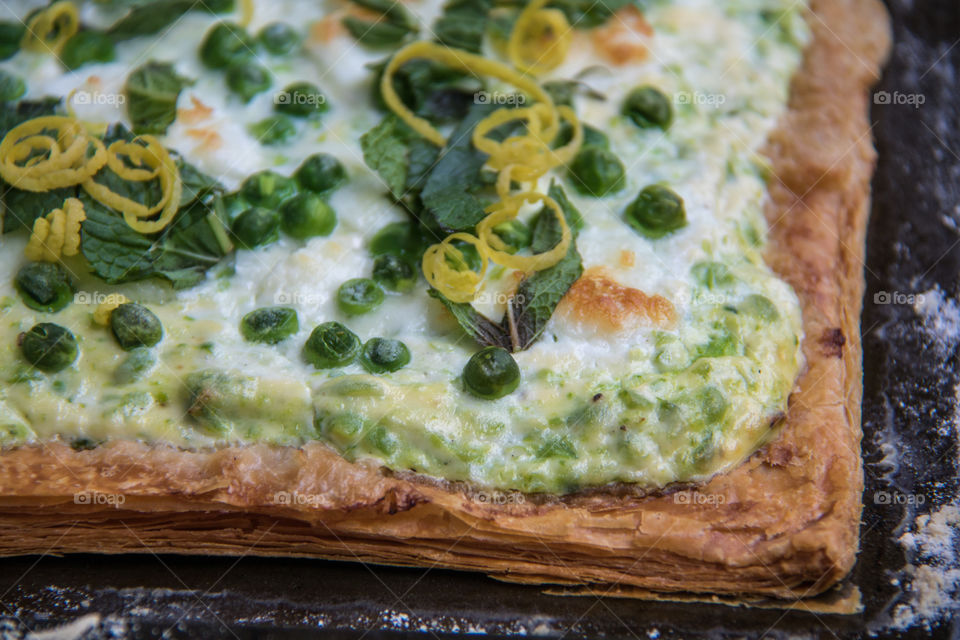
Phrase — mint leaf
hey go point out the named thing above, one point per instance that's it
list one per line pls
(152, 91)
(155, 16)
(538, 296)
(181, 254)
(477, 325)
(545, 230)
(463, 24)
(385, 151)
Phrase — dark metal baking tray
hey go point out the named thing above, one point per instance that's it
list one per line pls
(909, 389)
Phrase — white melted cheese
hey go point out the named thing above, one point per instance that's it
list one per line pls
(727, 65)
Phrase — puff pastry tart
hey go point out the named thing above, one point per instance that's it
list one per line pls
(561, 292)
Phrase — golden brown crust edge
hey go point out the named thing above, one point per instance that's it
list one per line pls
(784, 524)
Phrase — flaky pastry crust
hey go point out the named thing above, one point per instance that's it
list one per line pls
(787, 522)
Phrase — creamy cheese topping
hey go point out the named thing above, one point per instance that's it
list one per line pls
(597, 404)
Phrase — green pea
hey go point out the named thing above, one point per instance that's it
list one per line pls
(247, 79)
(134, 326)
(394, 273)
(759, 307)
(279, 38)
(12, 87)
(592, 137)
(491, 373)
(275, 129)
(135, 366)
(320, 173)
(383, 355)
(713, 406)
(397, 238)
(301, 99)
(343, 428)
(256, 227)
(87, 46)
(233, 205)
(647, 107)
(514, 234)
(306, 215)
(656, 212)
(712, 275)
(44, 286)
(267, 189)
(269, 325)
(11, 34)
(596, 172)
(358, 296)
(224, 44)
(331, 345)
(49, 347)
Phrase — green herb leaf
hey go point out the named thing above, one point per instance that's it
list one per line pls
(156, 16)
(152, 92)
(538, 296)
(546, 231)
(463, 24)
(385, 150)
(586, 14)
(395, 24)
(477, 325)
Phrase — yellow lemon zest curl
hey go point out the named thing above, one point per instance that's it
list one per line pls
(49, 152)
(48, 30)
(246, 13)
(57, 234)
(145, 151)
(457, 281)
(519, 158)
(540, 39)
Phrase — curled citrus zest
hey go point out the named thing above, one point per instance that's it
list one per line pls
(540, 39)
(48, 30)
(508, 209)
(101, 315)
(49, 152)
(457, 281)
(462, 60)
(126, 159)
(57, 234)
(246, 12)
(522, 158)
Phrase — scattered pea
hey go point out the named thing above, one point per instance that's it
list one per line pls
(491, 373)
(301, 99)
(279, 38)
(134, 325)
(267, 189)
(384, 355)
(275, 129)
(44, 286)
(255, 227)
(320, 173)
(359, 295)
(247, 79)
(306, 215)
(269, 325)
(12, 87)
(648, 107)
(656, 212)
(49, 347)
(394, 273)
(331, 345)
(596, 172)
